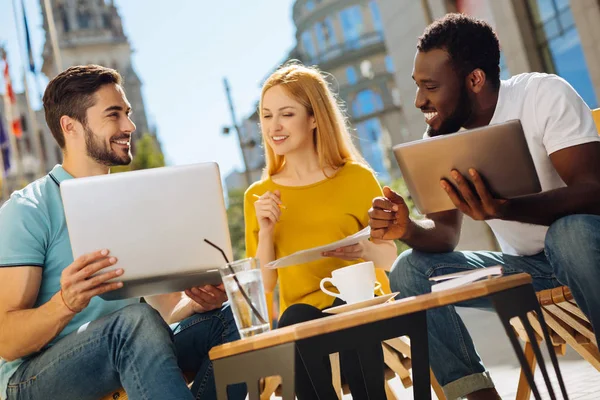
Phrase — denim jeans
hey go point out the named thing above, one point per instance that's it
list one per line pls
(571, 257)
(132, 348)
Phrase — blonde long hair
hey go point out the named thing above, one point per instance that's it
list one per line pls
(307, 86)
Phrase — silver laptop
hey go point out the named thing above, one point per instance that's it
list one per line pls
(155, 222)
(498, 152)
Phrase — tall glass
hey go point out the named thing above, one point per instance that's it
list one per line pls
(244, 286)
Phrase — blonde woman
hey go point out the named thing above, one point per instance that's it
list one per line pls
(316, 189)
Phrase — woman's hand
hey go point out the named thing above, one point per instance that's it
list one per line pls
(361, 250)
(268, 211)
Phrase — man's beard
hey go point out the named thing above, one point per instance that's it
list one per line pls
(102, 153)
(457, 119)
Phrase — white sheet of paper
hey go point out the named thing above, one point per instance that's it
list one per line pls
(464, 278)
(308, 255)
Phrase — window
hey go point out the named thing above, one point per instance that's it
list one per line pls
(328, 31)
(370, 135)
(62, 15)
(106, 21)
(389, 65)
(310, 5)
(376, 16)
(352, 26)
(320, 34)
(84, 19)
(504, 73)
(307, 44)
(351, 75)
(367, 102)
(560, 45)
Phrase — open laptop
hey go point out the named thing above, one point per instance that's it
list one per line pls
(498, 152)
(155, 222)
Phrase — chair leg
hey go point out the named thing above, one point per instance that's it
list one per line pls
(523, 390)
(271, 385)
(389, 393)
(336, 374)
(437, 389)
(393, 361)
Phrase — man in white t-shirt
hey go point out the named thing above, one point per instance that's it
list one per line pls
(554, 235)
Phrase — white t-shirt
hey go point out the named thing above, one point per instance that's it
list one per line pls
(553, 117)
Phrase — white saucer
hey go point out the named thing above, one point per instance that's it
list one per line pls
(361, 304)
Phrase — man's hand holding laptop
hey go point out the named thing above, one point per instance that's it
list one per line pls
(479, 204)
(206, 298)
(390, 217)
(78, 285)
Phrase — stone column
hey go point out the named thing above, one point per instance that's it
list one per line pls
(586, 14)
(517, 36)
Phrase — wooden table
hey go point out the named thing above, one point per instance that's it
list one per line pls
(273, 353)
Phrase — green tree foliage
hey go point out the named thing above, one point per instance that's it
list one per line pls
(146, 154)
(235, 217)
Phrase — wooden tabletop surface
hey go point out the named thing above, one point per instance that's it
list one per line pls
(370, 314)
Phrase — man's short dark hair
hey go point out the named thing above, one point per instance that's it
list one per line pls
(72, 92)
(470, 42)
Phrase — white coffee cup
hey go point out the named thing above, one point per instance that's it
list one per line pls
(356, 282)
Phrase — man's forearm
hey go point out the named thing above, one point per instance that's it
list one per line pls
(431, 237)
(545, 208)
(23, 332)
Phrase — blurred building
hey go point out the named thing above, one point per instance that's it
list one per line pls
(346, 39)
(91, 32)
(555, 36)
(251, 145)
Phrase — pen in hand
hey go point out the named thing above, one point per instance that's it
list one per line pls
(280, 205)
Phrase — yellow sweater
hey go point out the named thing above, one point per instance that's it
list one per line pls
(315, 215)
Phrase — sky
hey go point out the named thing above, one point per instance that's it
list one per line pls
(182, 51)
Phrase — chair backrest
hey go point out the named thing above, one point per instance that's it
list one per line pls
(596, 116)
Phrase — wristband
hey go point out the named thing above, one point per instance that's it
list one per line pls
(65, 303)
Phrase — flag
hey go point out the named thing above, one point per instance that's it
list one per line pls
(28, 40)
(4, 147)
(10, 102)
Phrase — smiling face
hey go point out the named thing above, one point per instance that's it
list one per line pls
(286, 124)
(108, 127)
(442, 95)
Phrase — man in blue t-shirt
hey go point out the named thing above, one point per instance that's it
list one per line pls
(58, 339)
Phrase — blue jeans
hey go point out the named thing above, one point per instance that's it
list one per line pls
(132, 348)
(571, 257)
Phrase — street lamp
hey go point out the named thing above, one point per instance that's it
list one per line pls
(226, 130)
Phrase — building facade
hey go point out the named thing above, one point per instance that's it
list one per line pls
(554, 36)
(345, 38)
(27, 145)
(251, 145)
(91, 32)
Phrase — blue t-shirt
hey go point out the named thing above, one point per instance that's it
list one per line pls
(33, 232)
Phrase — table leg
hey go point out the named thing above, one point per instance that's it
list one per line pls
(420, 359)
(517, 302)
(414, 325)
(252, 366)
